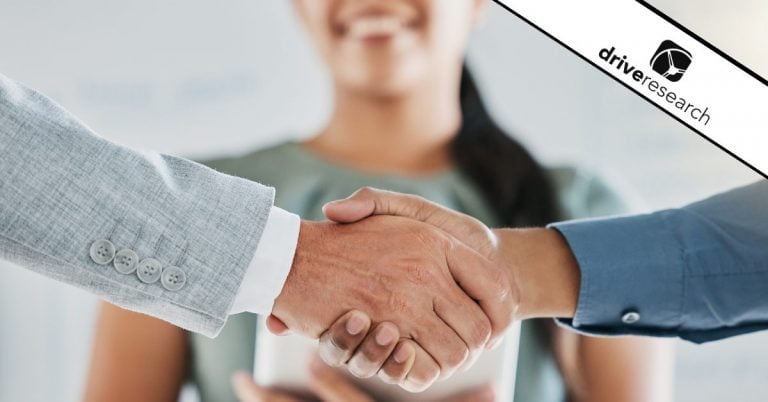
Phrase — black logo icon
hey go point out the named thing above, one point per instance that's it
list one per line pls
(671, 61)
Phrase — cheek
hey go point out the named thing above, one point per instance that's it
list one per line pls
(315, 17)
(449, 28)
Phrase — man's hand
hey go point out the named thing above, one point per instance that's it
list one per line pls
(398, 270)
(539, 260)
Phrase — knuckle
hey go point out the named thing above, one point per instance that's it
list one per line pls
(432, 238)
(372, 353)
(393, 372)
(388, 378)
(372, 359)
(380, 296)
(456, 357)
(481, 333)
(421, 274)
(397, 303)
(365, 191)
(502, 289)
(423, 377)
(415, 333)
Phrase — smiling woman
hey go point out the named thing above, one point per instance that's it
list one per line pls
(387, 47)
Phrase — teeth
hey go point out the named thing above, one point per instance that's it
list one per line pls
(374, 26)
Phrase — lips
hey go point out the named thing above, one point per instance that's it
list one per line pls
(373, 26)
(385, 19)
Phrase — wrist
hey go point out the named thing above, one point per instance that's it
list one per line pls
(544, 268)
(288, 303)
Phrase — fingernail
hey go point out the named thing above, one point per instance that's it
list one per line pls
(355, 324)
(403, 353)
(384, 337)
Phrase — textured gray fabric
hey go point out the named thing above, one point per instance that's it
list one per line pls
(62, 188)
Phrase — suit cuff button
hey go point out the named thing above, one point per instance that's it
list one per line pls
(173, 278)
(102, 251)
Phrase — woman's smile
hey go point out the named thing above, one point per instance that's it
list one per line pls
(375, 23)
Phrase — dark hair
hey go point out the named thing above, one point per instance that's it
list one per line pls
(513, 183)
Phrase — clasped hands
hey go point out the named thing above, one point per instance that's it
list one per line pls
(411, 291)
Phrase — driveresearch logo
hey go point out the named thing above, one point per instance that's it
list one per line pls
(671, 62)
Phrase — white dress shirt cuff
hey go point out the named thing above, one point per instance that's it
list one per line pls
(266, 274)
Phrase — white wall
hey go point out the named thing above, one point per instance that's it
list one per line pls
(210, 77)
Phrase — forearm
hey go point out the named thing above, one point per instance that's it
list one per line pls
(619, 369)
(66, 189)
(540, 261)
(696, 272)
(135, 357)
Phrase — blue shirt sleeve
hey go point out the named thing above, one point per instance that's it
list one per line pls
(699, 272)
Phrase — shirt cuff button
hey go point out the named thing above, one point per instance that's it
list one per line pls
(630, 317)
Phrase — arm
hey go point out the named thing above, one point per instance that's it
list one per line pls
(616, 369)
(70, 201)
(595, 369)
(173, 239)
(697, 272)
(135, 358)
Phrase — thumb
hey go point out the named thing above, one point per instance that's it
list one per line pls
(349, 210)
(370, 201)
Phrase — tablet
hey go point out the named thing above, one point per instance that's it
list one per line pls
(283, 361)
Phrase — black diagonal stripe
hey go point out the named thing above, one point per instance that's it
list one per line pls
(681, 121)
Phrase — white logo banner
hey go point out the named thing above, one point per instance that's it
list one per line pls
(664, 63)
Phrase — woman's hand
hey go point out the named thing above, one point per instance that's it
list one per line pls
(330, 386)
(248, 391)
(324, 382)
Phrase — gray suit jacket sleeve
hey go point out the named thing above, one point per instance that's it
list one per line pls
(62, 188)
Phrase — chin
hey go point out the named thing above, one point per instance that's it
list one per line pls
(382, 78)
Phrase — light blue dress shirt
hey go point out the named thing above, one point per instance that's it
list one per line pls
(699, 272)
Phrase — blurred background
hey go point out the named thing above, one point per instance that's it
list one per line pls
(203, 78)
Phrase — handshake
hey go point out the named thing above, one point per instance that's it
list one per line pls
(411, 291)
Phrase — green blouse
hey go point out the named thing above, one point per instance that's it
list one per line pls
(306, 181)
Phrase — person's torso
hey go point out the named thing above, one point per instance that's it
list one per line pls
(305, 182)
